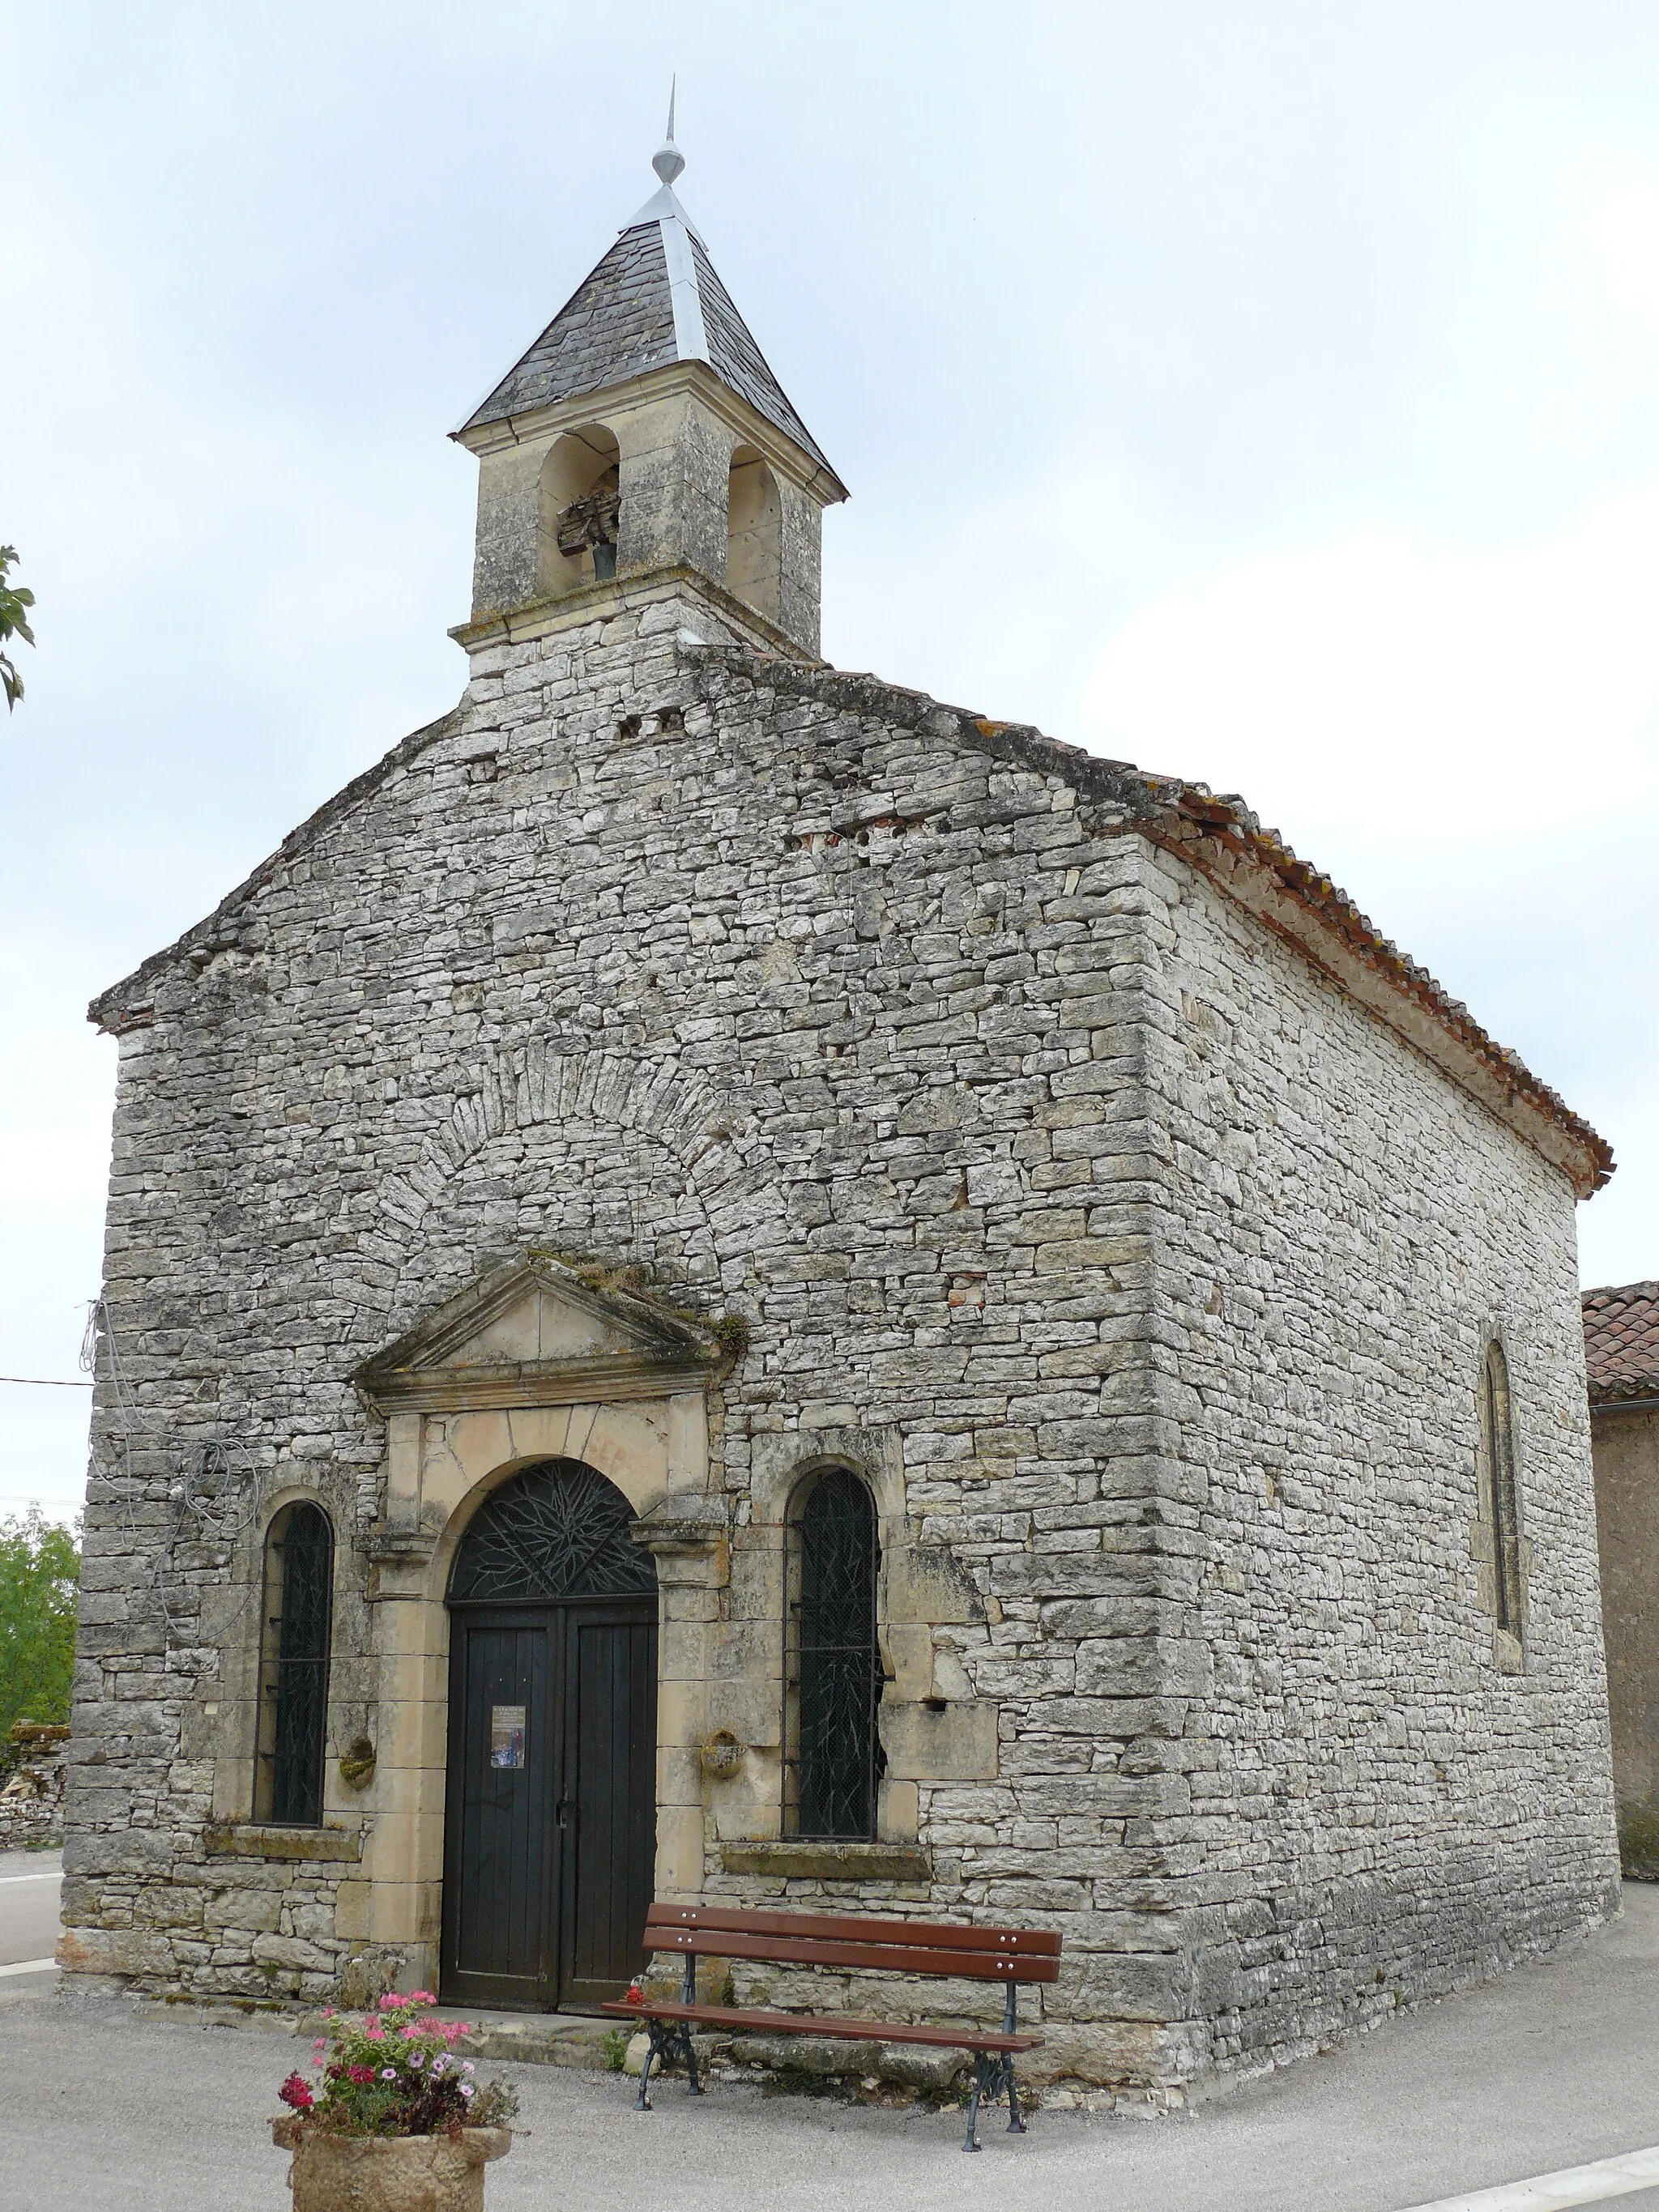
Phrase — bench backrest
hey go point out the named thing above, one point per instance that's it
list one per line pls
(818, 1939)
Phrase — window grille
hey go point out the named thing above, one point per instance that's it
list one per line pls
(838, 1676)
(293, 1673)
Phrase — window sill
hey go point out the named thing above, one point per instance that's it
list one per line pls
(254, 1840)
(803, 1861)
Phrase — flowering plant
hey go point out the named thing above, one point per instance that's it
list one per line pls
(394, 2072)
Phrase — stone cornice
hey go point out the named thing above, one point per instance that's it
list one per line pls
(688, 1522)
(541, 1383)
(621, 594)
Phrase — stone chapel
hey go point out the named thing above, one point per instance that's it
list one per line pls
(723, 1281)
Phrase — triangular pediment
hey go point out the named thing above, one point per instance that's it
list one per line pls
(538, 1332)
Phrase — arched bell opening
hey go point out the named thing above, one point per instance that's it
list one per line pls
(754, 534)
(580, 510)
(551, 1820)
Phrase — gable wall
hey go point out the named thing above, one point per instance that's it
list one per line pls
(825, 1021)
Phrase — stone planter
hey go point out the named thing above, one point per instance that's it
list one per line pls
(387, 2174)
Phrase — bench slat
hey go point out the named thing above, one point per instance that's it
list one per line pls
(878, 1958)
(857, 1928)
(832, 2024)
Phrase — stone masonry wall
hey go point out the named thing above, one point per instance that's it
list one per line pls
(833, 1008)
(1378, 1809)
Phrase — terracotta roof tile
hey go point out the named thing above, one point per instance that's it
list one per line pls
(1621, 1342)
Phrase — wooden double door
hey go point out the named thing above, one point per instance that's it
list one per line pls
(550, 1824)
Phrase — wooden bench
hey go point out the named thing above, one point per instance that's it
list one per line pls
(1009, 1955)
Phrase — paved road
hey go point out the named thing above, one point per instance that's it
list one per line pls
(30, 1883)
(1549, 2067)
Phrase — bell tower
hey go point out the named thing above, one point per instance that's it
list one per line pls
(643, 443)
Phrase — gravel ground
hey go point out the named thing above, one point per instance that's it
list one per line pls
(1550, 2067)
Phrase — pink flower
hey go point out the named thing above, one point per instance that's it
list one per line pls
(390, 2002)
(296, 2092)
(466, 2088)
(375, 2034)
(388, 2072)
(422, 1996)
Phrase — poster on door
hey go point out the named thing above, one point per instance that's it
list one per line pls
(507, 1736)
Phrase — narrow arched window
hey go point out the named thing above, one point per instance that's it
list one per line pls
(299, 1581)
(836, 1675)
(1497, 1453)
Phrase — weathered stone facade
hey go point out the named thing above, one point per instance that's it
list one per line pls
(861, 1081)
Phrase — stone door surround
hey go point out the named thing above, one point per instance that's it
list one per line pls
(537, 1361)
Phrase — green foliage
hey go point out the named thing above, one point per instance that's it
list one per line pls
(732, 1335)
(39, 1571)
(16, 600)
(614, 2044)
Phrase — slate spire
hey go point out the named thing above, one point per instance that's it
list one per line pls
(654, 300)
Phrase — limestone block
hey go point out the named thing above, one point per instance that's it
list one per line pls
(126, 1951)
(293, 1951)
(252, 1910)
(959, 1744)
(908, 1649)
(925, 1582)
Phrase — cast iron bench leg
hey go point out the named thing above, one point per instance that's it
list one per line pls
(971, 2141)
(643, 2102)
(667, 2043)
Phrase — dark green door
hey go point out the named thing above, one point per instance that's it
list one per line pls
(551, 1819)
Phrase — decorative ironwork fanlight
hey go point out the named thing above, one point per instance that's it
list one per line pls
(555, 1530)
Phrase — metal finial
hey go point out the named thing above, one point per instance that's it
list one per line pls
(668, 161)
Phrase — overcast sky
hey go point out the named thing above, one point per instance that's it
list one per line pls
(1269, 393)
